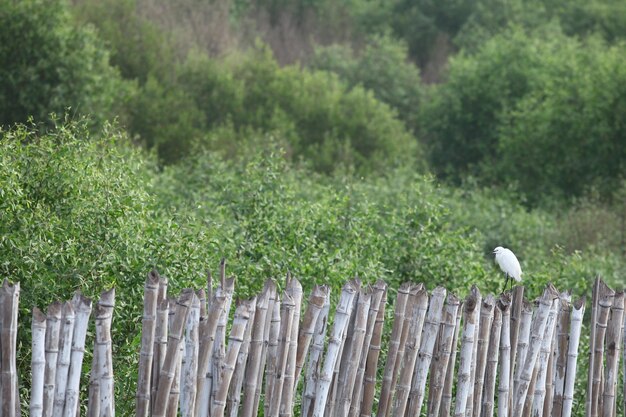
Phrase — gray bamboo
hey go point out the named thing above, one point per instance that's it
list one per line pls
(38, 362)
(471, 312)
(240, 322)
(469, 406)
(550, 371)
(343, 313)
(234, 393)
(592, 338)
(146, 354)
(542, 360)
(393, 350)
(517, 305)
(286, 399)
(446, 397)
(523, 340)
(486, 319)
(538, 328)
(53, 327)
(624, 362)
(346, 379)
(174, 395)
(605, 301)
(378, 290)
(93, 404)
(272, 352)
(416, 310)
(613, 339)
(66, 334)
(560, 364)
(286, 322)
(426, 350)
(82, 307)
(104, 371)
(492, 362)
(219, 346)
(578, 311)
(9, 296)
(168, 369)
(504, 303)
(160, 337)
(189, 367)
(442, 357)
(314, 362)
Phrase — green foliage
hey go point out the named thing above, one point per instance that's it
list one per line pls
(47, 65)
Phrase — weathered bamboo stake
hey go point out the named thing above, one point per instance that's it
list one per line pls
(439, 370)
(605, 301)
(426, 350)
(236, 383)
(240, 322)
(492, 362)
(286, 322)
(486, 319)
(469, 406)
(190, 359)
(560, 365)
(446, 397)
(82, 308)
(66, 334)
(317, 299)
(9, 302)
(394, 350)
(93, 404)
(104, 372)
(371, 364)
(542, 360)
(342, 318)
(523, 341)
(378, 290)
(168, 369)
(286, 398)
(160, 337)
(538, 328)
(38, 362)
(624, 362)
(471, 311)
(517, 305)
(218, 302)
(504, 304)
(613, 338)
(314, 363)
(592, 339)
(578, 311)
(347, 378)
(272, 354)
(53, 328)
(148, 328)
(416, 310)
(219, 346)
(174, 395)
(550, 371)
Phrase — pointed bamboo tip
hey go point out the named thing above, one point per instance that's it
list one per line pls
(580, 302)
(54, 310)
(474, 290)
(416, 288)
(350, 287)
(186, 297)
(9, 288)
(153, 276)
(107, 298)
(38, 317)
(439, 291)
(405, 287)
(489, 302)
(380, 285)
(504, 302)
(67, 309)
(605, 293)
(452, 299)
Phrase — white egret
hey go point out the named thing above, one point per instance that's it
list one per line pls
(508, 263)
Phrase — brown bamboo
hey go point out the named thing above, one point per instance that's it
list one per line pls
(272, 352)
(38, 362)
(393, 351)
(441, 358)
(189, 365)
(66, 334)
(282, 354)
(286, 398)
(517, 305)
(578, 311)
(53, 327)
(523, 340)
(492, 362)
(613, 339)
(504, 304)
(148, 328)
(168, 369)
(471, 312)
(174, 395)
(104, 371)
(446, 397)
(240, 323)
(486, 318)
(605, 301)
(234, 391)
(537, 332)
(160, 337)
(546, 409)
(560, 365)
(592, 350)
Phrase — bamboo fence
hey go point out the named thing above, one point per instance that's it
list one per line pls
(278, 355)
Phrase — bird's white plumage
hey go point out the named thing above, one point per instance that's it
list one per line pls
(508, 263)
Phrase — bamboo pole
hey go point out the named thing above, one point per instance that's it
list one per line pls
(53, 327)
(394, 350)
(550, 371)
(469, 406)
(470, 322)
(592, 350)
(537, 332)
(378, 290)
(286, 322)
(504, 304)
(272, 352)
(446, 397)
(240, 322)
(517, 305)
(492, 362)
(563, 328)
(442, 356)
(234, 393)
(342, 317)
(286, 398)
(174, 394)
(486, 319)
(315, 360)
(545, 353)
(38, 362)
(347, 378)
(160, 337)
(371, 364)
(578, 311)
(219, 346)
(168, 369)
(417, 307)
(104, 371)
(93, 404)
(613, 339)
(66, 334)
(189, 366)
(146, 354)
(9, 297)
(523, 340)
(605, 301)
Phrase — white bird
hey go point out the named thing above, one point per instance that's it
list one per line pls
(508, 263)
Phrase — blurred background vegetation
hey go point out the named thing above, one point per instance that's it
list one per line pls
(397, 139)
